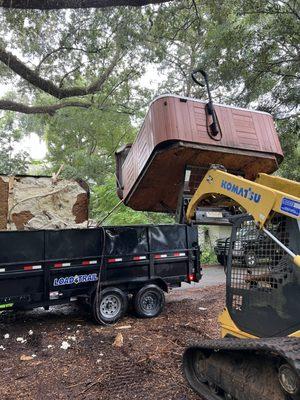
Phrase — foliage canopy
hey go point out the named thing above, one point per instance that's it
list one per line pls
(80, 73)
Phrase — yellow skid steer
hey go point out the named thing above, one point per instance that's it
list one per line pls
(258, 357)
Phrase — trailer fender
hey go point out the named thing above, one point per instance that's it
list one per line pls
(160, 283)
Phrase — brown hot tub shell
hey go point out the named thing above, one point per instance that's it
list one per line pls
(150, 173)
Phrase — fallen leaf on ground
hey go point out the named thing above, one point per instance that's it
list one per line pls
(123, 327)
(21, 340)
(26, 358)
(119, 340)
(34, 363)
(65, 345)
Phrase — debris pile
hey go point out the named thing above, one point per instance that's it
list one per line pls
(32, 202)
(134, 359)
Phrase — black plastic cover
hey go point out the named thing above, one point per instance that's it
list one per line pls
(73, 243)
(164, 238)
(121, 240)
(18, 246)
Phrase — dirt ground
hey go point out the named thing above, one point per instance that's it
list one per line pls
(36, 364)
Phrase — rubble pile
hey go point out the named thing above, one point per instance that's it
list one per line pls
(32, 202)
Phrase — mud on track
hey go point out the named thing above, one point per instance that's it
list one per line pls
(147, 366)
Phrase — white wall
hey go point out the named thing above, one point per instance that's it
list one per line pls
(208, 234)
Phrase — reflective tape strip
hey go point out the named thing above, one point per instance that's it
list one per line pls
(54, 295)
(7, 305)
(112, 260)
(2, 270)
(89, 262)
(161, 256)
(59, 265)
(138, 258)
(32, 267)
(179, 254)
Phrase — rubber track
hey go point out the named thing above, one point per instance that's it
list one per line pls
(286, 347)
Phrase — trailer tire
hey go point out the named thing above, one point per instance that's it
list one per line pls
(111, 306)
(221, 259)
(149, 301)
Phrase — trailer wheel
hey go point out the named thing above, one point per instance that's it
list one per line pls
(221, 259)
(110, 307)
(149, 301)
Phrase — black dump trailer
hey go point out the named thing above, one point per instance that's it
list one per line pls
(101, 267)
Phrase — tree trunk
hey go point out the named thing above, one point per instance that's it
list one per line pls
(60, 4)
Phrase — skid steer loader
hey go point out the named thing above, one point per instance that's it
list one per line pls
(259, 355)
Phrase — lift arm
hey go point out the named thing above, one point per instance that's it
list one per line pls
(257, 199)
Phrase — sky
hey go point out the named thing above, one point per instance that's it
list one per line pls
(33, 145)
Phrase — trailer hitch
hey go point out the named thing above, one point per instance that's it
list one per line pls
(212, 123)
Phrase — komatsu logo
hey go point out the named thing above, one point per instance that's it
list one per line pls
(247, 193)
(76, 279)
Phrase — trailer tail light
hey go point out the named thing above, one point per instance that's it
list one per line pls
(192, 278)
(179, 254)
(113, 260)
(59, 265)
(89, 262)
(32, 267)
(138, 258)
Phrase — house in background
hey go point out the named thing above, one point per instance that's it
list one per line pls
(209, 234)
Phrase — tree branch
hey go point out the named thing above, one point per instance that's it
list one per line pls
(49, 87)
(60, 4)
(67, 74)
(67, 48)
(296, 115)
(8, 105)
